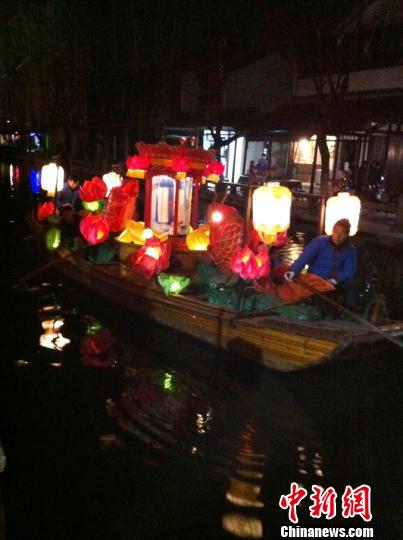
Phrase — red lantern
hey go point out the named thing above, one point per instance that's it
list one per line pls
(180, 165)
(131, 187)
(94, 228)
(226, 234)
(152, 258)
(214, 170)
(45, 210)
(138, 164)
(250, 265)
(93, 190)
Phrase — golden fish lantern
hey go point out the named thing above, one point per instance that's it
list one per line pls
(271, 210)
(343, 206)
(52, 178)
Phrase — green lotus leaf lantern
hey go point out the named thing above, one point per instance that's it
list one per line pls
(173, 284)
(94, 206)
(52, 238)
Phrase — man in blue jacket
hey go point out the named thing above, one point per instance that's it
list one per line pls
(332, 258)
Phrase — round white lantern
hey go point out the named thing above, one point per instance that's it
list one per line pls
(112, 180)
(52, 178)
(343, 206)
(271, 208)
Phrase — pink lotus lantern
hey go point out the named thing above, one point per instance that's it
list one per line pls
(93, 190)
(152, 258)
(250, 265)
(94, 228)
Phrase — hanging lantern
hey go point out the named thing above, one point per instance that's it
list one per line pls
(137, 166)
(52, 178)
(343, 205)
(271, 210)
(214, 170)
(163, 201)
(112, 179)
(181, 167)
(152, 258)
(45, 210)
(198, 240)
(172, 284)
(93, 190)
(94, 228)
(52, 238)
(250, 265)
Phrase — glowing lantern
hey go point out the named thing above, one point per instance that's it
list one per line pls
(172, 284)
(54, 341)
(52, 178)
(94, 228)
(214, 170)
(93, 206)
(181, 167)
(121, 206)
(93, 190)
(198, 240)
(136, 233)
(250, 265)
(52, 238)
(343, 205)
(45, 210)
(112, 180)
(152, 258)
(137, 166)
(163, 204)
(271, 210)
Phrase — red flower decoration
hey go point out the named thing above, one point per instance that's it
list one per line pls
(152, 258)
(45, 210)
(93, 190)
(138, 163)
(214, 167)
(180, 165)
(94, 228)
(131, 187)
(120, 206)
(250, 265)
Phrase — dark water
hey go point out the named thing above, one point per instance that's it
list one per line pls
(160, 436)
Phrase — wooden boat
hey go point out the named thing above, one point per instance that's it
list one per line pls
(273, 341)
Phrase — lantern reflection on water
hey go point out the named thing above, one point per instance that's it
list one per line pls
(163, 204)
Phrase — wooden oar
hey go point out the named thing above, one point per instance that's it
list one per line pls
(48, 265)
(348, 312)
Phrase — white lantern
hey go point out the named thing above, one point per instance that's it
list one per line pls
(52, 178)
(112, 180)
(343, 206)
(271, 209)
(163, 199)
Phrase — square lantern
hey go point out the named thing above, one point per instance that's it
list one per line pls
(166, 194)
(52, 178)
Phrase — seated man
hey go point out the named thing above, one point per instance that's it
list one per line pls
(69, 195)
(333, 258)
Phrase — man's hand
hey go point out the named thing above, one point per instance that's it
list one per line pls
(332, 282)
(289, 276)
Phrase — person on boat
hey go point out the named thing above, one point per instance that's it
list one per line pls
(331, 257)
(70, 195)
